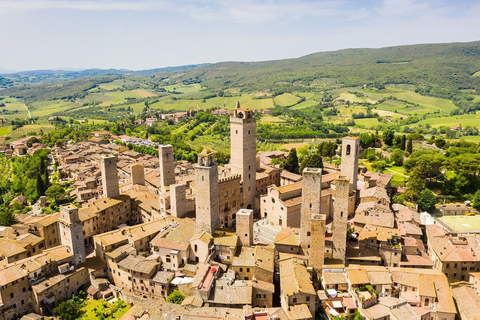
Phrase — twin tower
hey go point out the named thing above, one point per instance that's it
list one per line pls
(242, 162)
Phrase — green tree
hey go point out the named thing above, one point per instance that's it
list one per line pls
(476, 200)
(40, 185)
(415, 184)
(69, 310)
(397, 157)
(358, 315)
(403, 143)
(410, 146)
(7, 217)
(313, 160)
(388, 135)
(427, 200)
(54, 192)
(291, 163)
(366, 140)
(379, 166)
(176, 297)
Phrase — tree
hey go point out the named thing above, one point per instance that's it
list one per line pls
(176, 297)
(55, 191)
(40, 185)
(358, 315)
(388, 135)
(69, 310)
(366, 140)
(397, 157)
(427, 200)
(410, 146)
(313, 160)
(291, 163)
(476, 200)
(7, 217)
(415, 184)
(403, 143)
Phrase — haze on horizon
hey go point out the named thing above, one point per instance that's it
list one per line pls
(146, 34)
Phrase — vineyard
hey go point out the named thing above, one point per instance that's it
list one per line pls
(6, 169)
(31, 129)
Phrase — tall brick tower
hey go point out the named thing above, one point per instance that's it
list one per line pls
(178, 200)
(167, 166)
(110, 177)
(71, 232)
(242, 151)
(311, 202)
(340, 217)
(317, 242)
(207, 200)
(350, 151)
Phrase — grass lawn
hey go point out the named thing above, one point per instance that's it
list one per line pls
(367, 122)
(195, 87)
(118, 97)
(287, 100)
(109, 310)
(5, 130)
(304, 105)
(462, 223)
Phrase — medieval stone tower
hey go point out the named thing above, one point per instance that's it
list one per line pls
(340, 217)
(137, 174)
(207, 208)
(242, 150)
(178, 200)
(71, 232)
(317, 242)
(245, 226)
(110, 177)
(311, 202)
(167, 166)
(350, 151)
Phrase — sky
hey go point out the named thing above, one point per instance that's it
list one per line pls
(146, 34)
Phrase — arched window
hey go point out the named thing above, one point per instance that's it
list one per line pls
(195, 248)
(427, 302)
(349, 149)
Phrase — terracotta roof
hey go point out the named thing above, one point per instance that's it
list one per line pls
(288, 236)
(294, 278)
(10, 274)
(357, 276)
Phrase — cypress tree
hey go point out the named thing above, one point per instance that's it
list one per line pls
(410, 146)
(402, 144)
(291, 163)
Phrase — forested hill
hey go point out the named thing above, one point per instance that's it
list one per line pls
(449, 66)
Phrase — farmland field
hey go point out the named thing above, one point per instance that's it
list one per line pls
(286, 100)
(432, 102)
(195, 87)
(367, 123)
(29, 129)
(119, 97)
(271, 119)
(464, 120)
(304, 105)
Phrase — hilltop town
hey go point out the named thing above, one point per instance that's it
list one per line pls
(243, 240)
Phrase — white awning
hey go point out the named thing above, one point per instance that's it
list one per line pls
(337, 304)
(333, 312)
(332, 293)
(174, 252)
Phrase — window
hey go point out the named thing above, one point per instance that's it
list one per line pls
(294, 300)
(349, 150)
(308, 234)
(11, 295)
(248, 269)
(307, 299)
(264, 296)
(24, 289)
(241, 269)
(195, 248)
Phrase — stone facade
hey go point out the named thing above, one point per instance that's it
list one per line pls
(178, 200)
(71, 232)
(137, 173)
(243, 160)
(245, 226)
(167, 165)
(311, 202)
(340, 215)
(230, 199)
(206, 193)
(317, 242)
(110, 177)
(350, 152)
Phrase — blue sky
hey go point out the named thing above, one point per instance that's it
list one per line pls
(144, 34)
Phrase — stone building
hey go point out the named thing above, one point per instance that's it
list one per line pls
(316, 252)
(178, 200)
(14, 292)
(206, 193)
(167, 166)
(340, 216)
(230, 192)
(311, 202)
(71, 233)
(245, 227)
(243, 153)
(110, 177)
(137, 174)
(350, 153)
